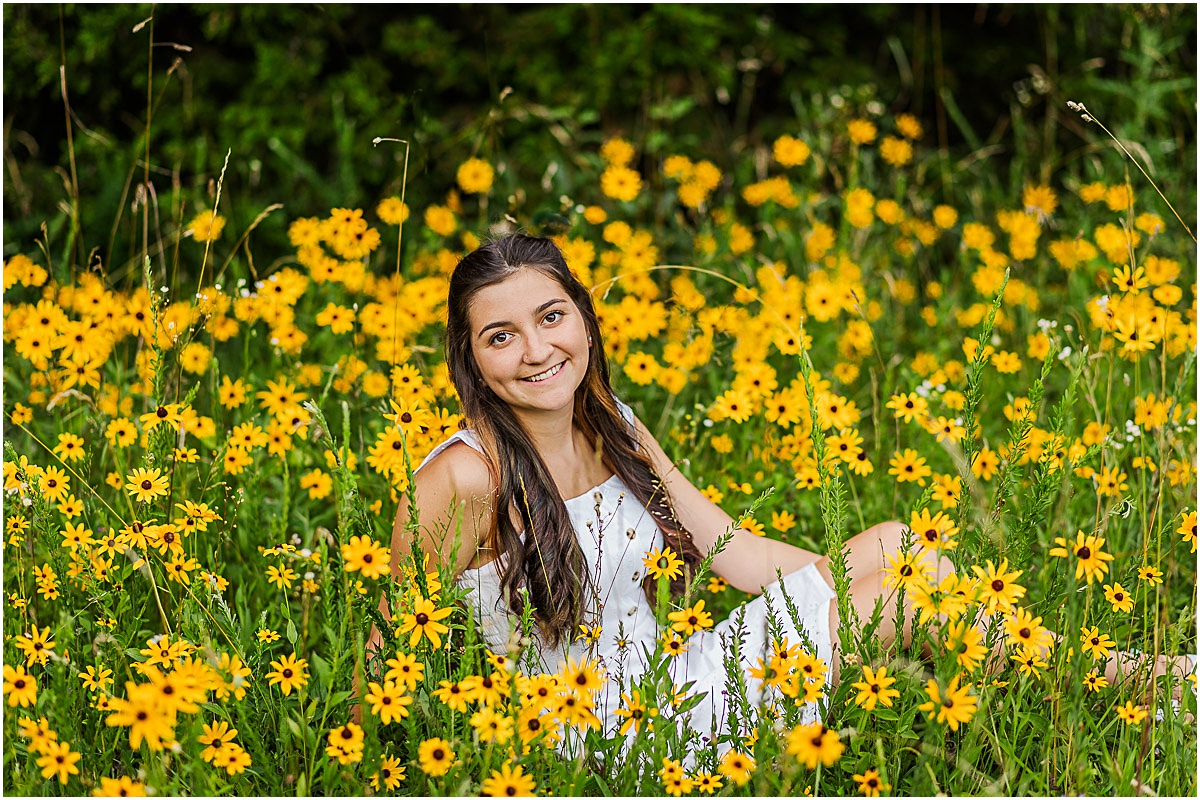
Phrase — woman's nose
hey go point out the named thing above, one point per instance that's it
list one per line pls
(537, 349)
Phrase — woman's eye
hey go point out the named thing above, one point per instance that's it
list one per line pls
(498, 340)
(554, 316)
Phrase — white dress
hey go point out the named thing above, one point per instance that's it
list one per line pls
(615, 532)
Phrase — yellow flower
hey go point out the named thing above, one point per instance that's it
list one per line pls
(909, 126)
(737, 767)
(690, 620)
(814, 744)
(620, 183)
(873, 688)
(861, 131)
(205, 226)
(440, 220)
(790, 151)
(289, 672)
(1131, 714)
(391, 211)
(896, 152)
(870, 784)
(508, 782)
(425, 621)
(1095, 643)
(20, 687)
(1040, 201)
(435, 757)
(663, 562)
(475, 176)
(617, 152)
(1091, 561)
(58, 760)
(957, 706)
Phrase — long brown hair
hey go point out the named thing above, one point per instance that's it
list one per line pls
(549, 563)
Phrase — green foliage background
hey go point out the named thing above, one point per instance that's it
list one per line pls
(296, 93)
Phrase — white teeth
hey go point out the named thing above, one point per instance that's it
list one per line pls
(541, 376)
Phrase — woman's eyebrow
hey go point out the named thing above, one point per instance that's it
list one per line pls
(506, 323)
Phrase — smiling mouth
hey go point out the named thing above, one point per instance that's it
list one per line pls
(541, 376)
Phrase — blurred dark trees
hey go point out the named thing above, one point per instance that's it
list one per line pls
(297, 92)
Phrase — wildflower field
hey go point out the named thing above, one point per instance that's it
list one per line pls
(204, 453)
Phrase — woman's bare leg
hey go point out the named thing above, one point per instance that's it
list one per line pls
(867, 559)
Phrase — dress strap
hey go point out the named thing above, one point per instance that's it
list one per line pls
(627, 415)
(467, 437)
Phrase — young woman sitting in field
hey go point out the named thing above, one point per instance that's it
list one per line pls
(560, 497)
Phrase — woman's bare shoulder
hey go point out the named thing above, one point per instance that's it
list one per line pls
(460, 471)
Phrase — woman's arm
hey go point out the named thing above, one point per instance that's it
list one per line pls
(748, 562)
(454, 499)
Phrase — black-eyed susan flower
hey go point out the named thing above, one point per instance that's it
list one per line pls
(998, 590)
(635, 713)
(1094, 681)
(216, 736)
(933, 532)
(689, 620)
(405, 669)
(492, 725)
(435, 757)
(955, 706)
(119, 787)
(1149, 574)
(20, 687)
(1090, 559)
(870, 784)
(814, 744)
(345, 744)
(148, 719)
(37, 645)
(1187, 529)
(363, 554)
(289, 672)
(1096, 644)
(96, 679)
(909, 466)
(673, 644)
(663, 563)
(906, 570)
(54, 484)
(508, 782)
(146, 484)
(57, 760)
(966, 643)
(1120, 598)
(737, 766)
(391, 773)
(424, 622)
(1132, 714)
(874, 688)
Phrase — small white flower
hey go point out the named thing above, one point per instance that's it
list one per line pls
(1064, 354)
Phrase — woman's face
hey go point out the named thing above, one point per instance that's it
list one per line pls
(529, 341)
